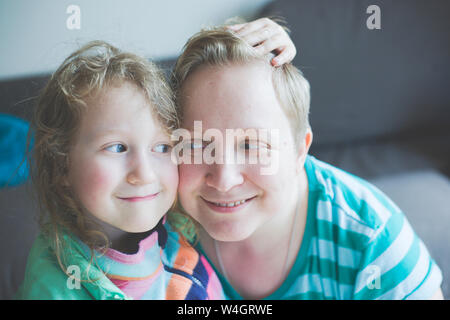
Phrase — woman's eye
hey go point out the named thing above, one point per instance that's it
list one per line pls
(196, 145)
(251, 145)
(117, 148)
(162, 148)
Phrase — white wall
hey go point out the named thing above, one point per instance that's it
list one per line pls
(35, 39)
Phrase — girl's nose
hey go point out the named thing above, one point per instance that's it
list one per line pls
(141, 171)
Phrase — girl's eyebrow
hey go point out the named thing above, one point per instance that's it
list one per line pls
(108, 132)
(98, 134)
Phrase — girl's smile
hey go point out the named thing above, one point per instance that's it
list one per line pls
(138, 199)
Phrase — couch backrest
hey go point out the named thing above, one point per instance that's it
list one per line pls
(19, 96)
(372, 83)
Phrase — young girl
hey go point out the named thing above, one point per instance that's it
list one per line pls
(103, 174)
(105, 179)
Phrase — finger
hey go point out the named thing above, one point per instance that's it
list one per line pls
(273, 43)
(285, 55)
(259, 36)
(253, 26)
(236, 27)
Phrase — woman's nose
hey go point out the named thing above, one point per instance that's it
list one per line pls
(224, 177)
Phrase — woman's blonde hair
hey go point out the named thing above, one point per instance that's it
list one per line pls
(56, 120)
(219, 47)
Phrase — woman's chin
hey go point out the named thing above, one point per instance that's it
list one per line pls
(228, 233)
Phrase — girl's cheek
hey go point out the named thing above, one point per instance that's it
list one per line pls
(170, 176)
(93, 183)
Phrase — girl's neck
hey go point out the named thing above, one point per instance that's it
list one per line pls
(122, 241)
(128, 243)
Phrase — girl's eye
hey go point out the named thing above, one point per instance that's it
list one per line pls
(117, 148)
(162, 148)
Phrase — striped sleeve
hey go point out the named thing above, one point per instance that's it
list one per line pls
(396, 265)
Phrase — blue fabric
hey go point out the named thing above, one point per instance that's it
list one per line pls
(13, 145)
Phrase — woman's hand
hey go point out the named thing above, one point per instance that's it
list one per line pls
(266, 36)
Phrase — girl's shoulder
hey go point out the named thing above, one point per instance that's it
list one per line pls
(44, 278)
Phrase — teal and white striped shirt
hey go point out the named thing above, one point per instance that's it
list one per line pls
(357, 245)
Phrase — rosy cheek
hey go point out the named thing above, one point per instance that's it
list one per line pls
(189, 174)
(190, 178)
(170, 177)
(92, 183)
(98, 180)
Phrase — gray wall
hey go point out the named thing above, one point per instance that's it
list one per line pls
(35, 39)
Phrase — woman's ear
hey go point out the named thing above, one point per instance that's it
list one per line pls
(303, 149)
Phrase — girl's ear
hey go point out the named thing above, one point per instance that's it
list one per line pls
(65, 179)
(303, 149)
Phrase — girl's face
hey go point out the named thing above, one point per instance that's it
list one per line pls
(231, 200)
(120, 167)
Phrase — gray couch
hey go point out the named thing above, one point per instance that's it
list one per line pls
(380, 109)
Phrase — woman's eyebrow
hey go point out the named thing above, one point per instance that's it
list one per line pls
(234, 129)
(254, 133)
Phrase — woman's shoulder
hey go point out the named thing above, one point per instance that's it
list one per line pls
(343, 198)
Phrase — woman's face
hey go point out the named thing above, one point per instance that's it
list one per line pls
(232, 200)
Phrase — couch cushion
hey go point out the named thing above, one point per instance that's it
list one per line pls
(372, 83)
(18, 229)
(13, 140)
(381, 157)
(423, 197)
